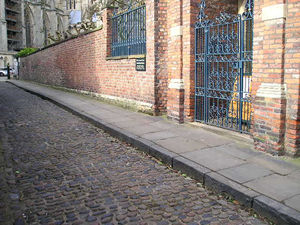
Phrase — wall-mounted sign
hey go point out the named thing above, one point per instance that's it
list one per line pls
(140, 64)
(75, 17)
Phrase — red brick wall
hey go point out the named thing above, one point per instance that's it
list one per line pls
(190, 13)
(81, 63)
(292, 77)
(276, 119)
(161, 56)
(269, 112)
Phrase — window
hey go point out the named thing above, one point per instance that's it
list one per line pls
(28, 27)
(129, 32)
(70, 4)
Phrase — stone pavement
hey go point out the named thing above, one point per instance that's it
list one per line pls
(269, 186)
(58, 169)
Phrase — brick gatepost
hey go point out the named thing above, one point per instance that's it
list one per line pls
(276, 75)
(175, 106)
(182, 16)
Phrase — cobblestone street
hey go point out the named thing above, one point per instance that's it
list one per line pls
(58, 169)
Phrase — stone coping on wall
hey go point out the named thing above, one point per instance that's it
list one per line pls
(126, 57)
(65, 40)
(8, 53)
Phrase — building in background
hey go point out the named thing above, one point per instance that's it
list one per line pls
(28, 23)
(10, 30)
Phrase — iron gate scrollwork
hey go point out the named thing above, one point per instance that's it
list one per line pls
(223, 60)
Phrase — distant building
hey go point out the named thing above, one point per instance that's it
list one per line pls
(28, 23)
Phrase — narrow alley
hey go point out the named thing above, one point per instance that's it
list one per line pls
(59, 169)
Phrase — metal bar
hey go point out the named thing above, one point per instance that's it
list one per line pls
(196, 72)
(241, 68)
(206, 30)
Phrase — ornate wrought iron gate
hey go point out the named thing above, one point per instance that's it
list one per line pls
(223, 59)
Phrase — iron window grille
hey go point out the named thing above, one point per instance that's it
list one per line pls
(129, 32)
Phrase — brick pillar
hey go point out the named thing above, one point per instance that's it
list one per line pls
(268, 85)
(151, 27)
(107, 14)
(190, 13)
(292, 78)
(175, 106)
(161, 56)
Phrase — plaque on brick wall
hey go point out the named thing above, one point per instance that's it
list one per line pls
(140, 64)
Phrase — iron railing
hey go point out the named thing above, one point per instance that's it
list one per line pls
(224, 54)
(129, 32)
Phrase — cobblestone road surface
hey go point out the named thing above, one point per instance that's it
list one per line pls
(59, 169)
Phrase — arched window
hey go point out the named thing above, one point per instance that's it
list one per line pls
(28, 27)
(52, 4)
(70, 4)
(60, 26)
(47, 28)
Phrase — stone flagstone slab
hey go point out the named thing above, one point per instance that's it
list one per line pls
(293, 202)
(275, 165)
(276, 186)
(140, 130)
(239, 152)
(245, 172)
(213, 159)
(209, 138)
(160, 135)
(181, 145)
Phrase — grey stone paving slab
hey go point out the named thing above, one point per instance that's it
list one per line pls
(131, 123)
(278, 166)
(180, 144)
(103, 115)
(237, 151)
(160, 135)
(143, 129)
(97, 110)
(132, 114)
(245, 172)
(295, 174)
(117, 120)
(166, 125)
(103, 105)
(208, 137)
(78, 104)
(276, 186)
(142, 116)
(213, 159)
(293, 202)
